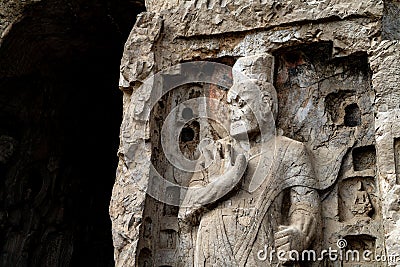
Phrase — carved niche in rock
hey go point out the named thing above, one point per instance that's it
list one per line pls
(233, 213)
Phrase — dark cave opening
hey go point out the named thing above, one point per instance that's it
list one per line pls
(60, 113)
(352, 116)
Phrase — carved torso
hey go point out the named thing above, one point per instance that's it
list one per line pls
(228, 225)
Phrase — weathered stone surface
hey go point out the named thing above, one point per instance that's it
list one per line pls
(208, 17)
(11, 11)
(391, 20)
(347, 36)
(384, 60)
(138, 59)
(322, 58)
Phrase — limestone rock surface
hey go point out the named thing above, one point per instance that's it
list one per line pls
(328, 77)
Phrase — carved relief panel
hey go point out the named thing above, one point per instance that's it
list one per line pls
(321, 184)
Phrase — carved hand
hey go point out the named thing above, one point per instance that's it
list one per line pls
(289, 238)
(198, 196)
(217, 157)
(296, 236)
(219, 187)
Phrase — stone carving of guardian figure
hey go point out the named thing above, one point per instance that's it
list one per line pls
(267, 204)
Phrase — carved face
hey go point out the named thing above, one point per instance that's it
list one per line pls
(243, 119)
(246, 100)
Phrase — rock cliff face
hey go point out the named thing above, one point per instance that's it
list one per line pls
(334, 68)
(60, 112)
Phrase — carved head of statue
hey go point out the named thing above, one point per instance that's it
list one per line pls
(253, 97)
(253, 106)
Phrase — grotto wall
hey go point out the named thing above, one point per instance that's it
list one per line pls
(329, 68)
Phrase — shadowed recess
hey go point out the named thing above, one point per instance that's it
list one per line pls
(60, 112)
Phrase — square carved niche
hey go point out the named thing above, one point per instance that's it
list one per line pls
(343, 109)
(358, 245)
(364, 158)
(357, 199)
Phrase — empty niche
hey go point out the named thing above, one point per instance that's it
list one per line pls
(342, 108)
(364, 158)
(187, 134)
(352, 115)
(397, 158)
(357, 199)
(189, 138)
(190, 132)
(356, 247)
(168, 239)
(145, 258)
